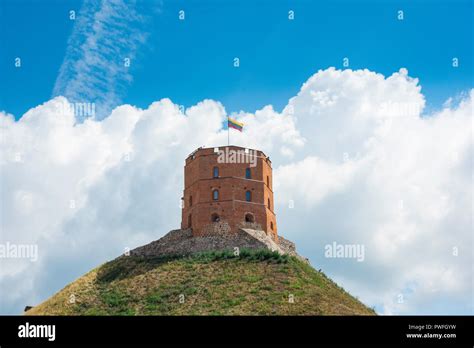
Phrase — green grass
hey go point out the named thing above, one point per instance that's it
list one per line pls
(256, 282)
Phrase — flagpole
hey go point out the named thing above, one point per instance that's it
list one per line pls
(228, 131)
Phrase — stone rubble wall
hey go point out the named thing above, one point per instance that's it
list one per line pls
(287, 246)
(182, 242)
(216, 228)
(250, 225)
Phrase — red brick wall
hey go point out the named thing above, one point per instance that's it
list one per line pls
(232, 186)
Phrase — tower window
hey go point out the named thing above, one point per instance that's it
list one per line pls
(249, 218)
(190, 221)
(248, 175)
(215, 195)
(248, 196)
(268, 181)
(268, 201)
(215, 172)
(215, 218)
(190, 201)
(271, 225)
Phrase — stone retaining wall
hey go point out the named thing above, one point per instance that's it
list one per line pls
(182, 242)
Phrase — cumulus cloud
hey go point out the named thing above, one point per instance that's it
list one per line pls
(382, 175)
(350, 151)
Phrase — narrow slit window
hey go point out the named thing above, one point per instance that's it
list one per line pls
(248, 174)
(248, 196)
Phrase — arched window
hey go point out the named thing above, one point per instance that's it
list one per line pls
(248, 175)
(268, 201)
(190, 201)
(215, 172)
(215, 195)
(271, 225)
(215, 218)
(248, 196)
(268, 181)
(190, 221)
(249, 218)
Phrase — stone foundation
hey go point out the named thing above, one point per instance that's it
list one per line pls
(182, 242)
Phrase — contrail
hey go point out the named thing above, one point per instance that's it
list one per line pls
(106, 35)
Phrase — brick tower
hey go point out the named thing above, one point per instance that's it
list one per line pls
(228, 188)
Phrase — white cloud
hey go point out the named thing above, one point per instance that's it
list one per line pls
(382, 176)
(297, 180)
(350, 150)
(338, 111)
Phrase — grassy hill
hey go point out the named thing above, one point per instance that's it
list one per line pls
(257, 282)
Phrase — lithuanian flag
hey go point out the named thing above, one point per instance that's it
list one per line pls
(231, 123)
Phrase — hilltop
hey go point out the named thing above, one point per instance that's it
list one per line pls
(257, 282)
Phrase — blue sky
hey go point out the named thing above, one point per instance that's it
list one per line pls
(191, 60)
